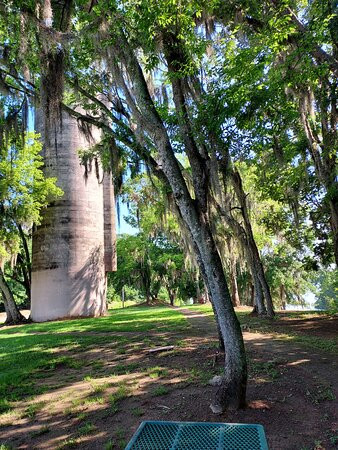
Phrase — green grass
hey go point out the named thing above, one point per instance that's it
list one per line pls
(118, 321)
(33, 351)
(33, 409)
(320, 393)
(109, 445)
(199, 375)
(123, 391)
(267, 369)
(160, 390)
(69, 443)
(137, 412)
(157, 372)
(85, 429)
(282, 332)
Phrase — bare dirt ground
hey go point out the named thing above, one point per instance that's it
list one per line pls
(326, 327)
(291, 390)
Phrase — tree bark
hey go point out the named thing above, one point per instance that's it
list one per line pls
(241, 196)
(26, 260)
(282, 297)
(221, 345)
(251, 295)
(258, 295)
(171, 297)
(334, 225)
(234, 287)
(242, 236)
(322, 149)
(26, 274)
(196, 221)
(14, 316)
(233, 274)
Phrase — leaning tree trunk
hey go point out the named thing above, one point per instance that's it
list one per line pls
(323, 150)
(193, 212)
(334, 224)
(233, 274)
(232, 391)
(282, 297)
(221, 345)
(14, 316)
(259, 305)
(234, 288)
(242, 235)
(241, 196)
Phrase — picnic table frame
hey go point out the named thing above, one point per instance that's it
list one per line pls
(159, 435)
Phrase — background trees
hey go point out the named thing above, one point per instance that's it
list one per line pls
(155, 267)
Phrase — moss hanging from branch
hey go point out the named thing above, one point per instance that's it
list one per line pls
(52, 85)
(53, 63)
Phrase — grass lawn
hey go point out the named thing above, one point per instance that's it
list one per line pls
(89, 383)
(33, 351)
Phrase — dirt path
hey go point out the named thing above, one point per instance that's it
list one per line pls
(291, 391)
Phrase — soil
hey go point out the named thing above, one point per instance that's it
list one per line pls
(291, 390)
(325, 326)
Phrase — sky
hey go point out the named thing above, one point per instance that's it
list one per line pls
(124, 227)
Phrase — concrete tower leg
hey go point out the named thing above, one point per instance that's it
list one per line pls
(68, 261)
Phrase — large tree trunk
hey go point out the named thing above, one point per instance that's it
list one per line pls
(171, 297)
(14, 316)
(323, 148)
(232, 391)
(233, 274)
(73, 246)
(334, 224)
(194, 217)
(282, 297)
(259, 305)
(241, 196)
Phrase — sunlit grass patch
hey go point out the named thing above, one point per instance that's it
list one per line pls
(157, 372)
(123, 391)
(31, 352)
(120, 320)
(69, 443)
(33, 409)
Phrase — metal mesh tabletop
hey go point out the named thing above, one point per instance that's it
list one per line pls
(153, 435)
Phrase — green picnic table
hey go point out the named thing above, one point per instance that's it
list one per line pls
(157, 435)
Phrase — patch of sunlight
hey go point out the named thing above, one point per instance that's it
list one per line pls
(300, 361)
